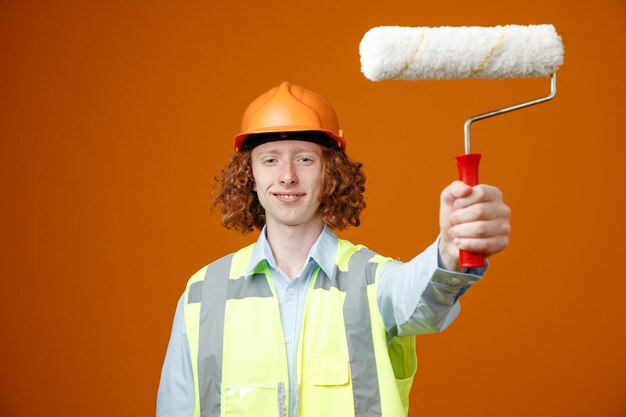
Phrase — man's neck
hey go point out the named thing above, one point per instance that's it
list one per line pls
(291, 244)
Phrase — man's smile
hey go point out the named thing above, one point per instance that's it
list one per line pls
(288, 197)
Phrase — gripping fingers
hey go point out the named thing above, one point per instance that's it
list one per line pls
(456, 190)
(480, 229)
(480, 211)
(481, 193)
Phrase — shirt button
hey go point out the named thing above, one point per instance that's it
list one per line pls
(291, 291)
(287, 339)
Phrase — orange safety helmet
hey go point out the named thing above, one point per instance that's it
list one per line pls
(290, 108)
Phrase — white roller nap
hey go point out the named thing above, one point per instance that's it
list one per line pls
(412, 53)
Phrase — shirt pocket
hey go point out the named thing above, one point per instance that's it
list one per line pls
(330, 369)
(244, 400)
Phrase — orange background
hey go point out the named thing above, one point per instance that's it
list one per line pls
(115, 117)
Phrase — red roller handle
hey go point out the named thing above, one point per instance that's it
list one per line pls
(468, 173)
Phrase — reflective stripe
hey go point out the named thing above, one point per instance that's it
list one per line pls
(254, 286)
(356, 314)
(282, 406)
(195, 292)
(214, 291)
(323, 281)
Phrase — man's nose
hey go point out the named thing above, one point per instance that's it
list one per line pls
(288, 175)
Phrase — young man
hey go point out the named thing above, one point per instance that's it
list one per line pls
(302, 323)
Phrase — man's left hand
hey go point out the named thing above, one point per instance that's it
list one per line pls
(474, 219)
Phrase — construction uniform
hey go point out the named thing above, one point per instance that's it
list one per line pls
(337, 340)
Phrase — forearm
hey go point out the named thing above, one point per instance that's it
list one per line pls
(419, 296)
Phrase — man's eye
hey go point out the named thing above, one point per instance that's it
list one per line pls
(270, 161)
(305, 159)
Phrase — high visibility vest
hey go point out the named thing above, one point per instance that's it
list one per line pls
(347, 364)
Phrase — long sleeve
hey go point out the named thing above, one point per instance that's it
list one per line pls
(176, 396)
(419, 297)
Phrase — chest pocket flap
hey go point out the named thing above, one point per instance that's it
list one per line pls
(330, 369)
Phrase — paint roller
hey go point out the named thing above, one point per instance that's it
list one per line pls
(425, 53)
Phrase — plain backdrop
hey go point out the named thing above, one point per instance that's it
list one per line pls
(116, 116)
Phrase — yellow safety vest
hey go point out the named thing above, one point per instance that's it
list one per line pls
(347, 364)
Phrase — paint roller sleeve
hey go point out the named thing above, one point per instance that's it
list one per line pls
(412, 53)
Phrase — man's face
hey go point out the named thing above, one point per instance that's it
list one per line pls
(288, 179)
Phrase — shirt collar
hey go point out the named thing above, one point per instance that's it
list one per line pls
(322, 252)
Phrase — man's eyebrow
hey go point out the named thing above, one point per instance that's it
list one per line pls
(267, 152)
(303, 149)
(295, 151)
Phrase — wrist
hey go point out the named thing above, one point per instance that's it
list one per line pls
(448, 254)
